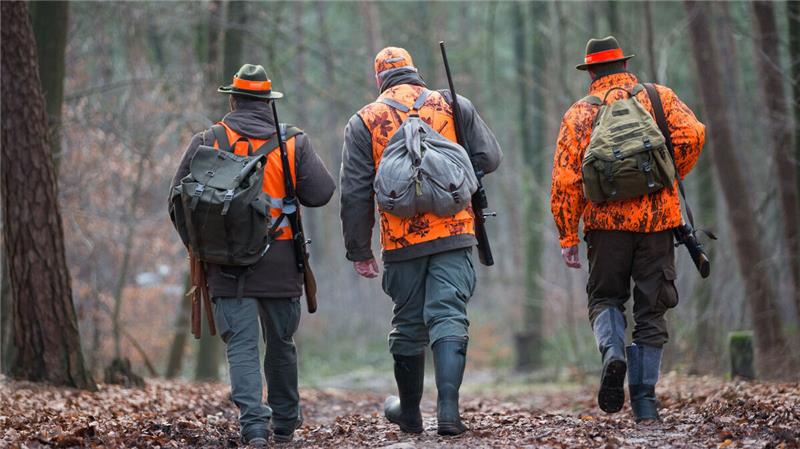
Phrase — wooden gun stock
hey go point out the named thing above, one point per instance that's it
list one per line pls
(199, 297)
(310, 282)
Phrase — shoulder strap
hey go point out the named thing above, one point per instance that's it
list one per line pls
(221, 137)
(403, 108)
(661, 120)
(287, 132)
(399, 106)
(591, 99)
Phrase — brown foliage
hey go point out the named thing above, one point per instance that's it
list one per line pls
(697, 412)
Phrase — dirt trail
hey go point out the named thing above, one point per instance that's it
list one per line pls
(697, 412)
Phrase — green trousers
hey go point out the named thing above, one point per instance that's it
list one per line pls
(430, 296)
(238, 321)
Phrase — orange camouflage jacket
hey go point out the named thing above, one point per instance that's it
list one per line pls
(651, 213)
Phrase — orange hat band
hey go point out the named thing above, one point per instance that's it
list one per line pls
(602, 56)
(252, 85)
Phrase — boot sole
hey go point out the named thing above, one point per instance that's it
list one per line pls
(404, 427)
(611, 396)
(451, 429)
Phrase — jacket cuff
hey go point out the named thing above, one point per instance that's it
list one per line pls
(569, 241)
(359, 255)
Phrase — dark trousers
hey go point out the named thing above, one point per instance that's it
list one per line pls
(616, 257)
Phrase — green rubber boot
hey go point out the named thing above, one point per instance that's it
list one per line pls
(449, 358)
(409, 372)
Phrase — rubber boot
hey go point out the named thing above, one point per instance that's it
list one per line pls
(409, 372)
(609, 331)
(645, 363)
(449, 358)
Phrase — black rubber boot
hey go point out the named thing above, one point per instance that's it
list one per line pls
(409, 372)
(645, 364)
(449, 358)
(609, 331)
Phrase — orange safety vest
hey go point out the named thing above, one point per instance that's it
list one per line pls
(273, 184)
(382, 121)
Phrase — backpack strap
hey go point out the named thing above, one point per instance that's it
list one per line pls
(399, 106)
(403, 108)
(661, 120)
(287, 132)
(421, 99)
(636, 89)
(221, 137)
(592, 100)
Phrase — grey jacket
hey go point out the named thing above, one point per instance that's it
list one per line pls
(358, 174)
(275, 275)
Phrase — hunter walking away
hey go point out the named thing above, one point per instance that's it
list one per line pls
(437, 303)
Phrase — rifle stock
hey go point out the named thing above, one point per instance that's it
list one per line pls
(479, 199)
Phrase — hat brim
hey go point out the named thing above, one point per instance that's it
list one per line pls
(230, 90)
(586, 66)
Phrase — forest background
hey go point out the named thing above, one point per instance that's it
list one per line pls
(128, 83)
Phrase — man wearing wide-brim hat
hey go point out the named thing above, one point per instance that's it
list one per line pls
(626, 239)
(272, 287)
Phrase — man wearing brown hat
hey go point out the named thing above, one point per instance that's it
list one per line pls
(427, 259)
(270, 294)
(629, 238)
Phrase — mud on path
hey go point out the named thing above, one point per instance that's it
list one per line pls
(697, 412)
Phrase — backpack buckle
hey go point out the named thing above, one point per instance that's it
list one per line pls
(647, 145)
(617, 153)
(227, 201)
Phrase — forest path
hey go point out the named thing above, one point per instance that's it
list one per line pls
(697, 412)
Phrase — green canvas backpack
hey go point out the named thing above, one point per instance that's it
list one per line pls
(627, 155)
(220, 209)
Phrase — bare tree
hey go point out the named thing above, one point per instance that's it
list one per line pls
(750, 253)
(779, 127)
(45, 324)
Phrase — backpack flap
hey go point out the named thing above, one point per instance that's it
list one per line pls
(221, 169)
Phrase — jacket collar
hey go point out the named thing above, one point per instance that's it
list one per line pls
(401, 77)
(601, 85)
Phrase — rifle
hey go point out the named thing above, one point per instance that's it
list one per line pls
(685, 234)
(479, 199)
(291, 204)
(199, 297)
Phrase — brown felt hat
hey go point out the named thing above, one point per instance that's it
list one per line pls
(602, 51)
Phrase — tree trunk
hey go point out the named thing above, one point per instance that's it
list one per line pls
(780, 131)
(127, 249)
(6, 315)
(650, 41)
(45, 324)
(50, 20)
(760, 291)
(209, 353)
(182, 329)
(793, 11)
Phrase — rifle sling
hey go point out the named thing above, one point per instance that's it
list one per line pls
(661, 120)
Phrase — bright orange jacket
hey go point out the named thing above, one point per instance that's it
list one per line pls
(273, 175)
(382, 121)
(651, 213)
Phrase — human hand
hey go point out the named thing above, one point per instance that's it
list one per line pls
(570, 256)
(367, 268)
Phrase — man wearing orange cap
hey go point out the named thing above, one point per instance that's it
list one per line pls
(268, 296)
(428, 268)
(627, 238)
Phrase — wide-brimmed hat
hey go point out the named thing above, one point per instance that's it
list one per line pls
(251, 81)
(392, 58)
(602, 51)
